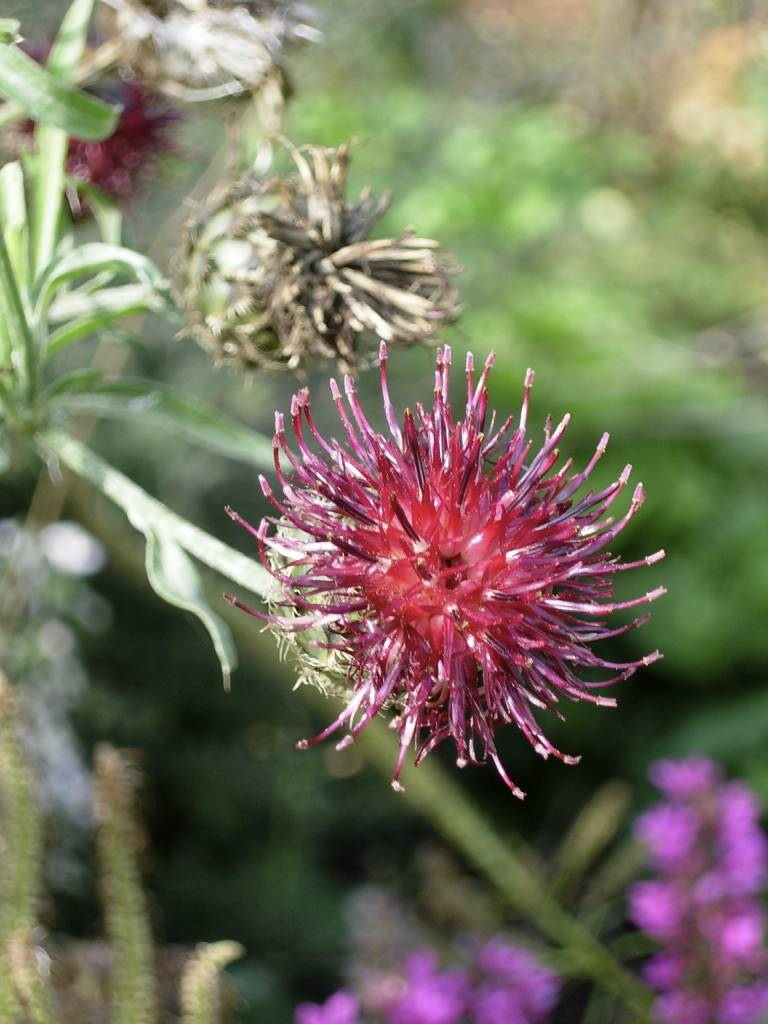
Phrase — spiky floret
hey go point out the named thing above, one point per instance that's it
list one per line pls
(119, 163)
(279, 273)
(208, 49)
(448, 568)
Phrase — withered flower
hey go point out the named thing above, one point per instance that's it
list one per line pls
(201, 50)
(281, 272)
(446, 570)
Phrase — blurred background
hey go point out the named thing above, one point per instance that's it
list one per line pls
(600, 170)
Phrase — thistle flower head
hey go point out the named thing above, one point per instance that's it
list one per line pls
(447, 569)
(203, 50)
(118, 164)
(280, 272)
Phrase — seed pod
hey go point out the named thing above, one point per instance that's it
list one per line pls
(202, 50)
(281, 272)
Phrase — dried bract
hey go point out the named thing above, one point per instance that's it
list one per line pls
(280, 273)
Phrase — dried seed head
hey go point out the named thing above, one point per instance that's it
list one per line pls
(201, 50)
(279, 273)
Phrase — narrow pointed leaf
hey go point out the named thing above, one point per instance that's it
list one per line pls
(196, 422)
(46, 99)
(104, 308)
(13, 217)
(106, 214)
(52, 137)
(175, 579)
(141, 507)
(96, 258)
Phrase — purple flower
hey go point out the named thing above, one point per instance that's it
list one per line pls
(657, 908)
(682, 1008)
(747, 1004)
(710, 858)
(497, 983)
(680, 780)
(513, 983)
(429, 995)
(494, 1004)
(664, 971)
(452, 572)
(340, 1008)
(670, 833)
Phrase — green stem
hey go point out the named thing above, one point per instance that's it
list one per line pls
(437, 797)
(51, 146)
(21, 841)
(19, 342)
(51, 143)
(140, 507)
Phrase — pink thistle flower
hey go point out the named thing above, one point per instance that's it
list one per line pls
(118, 164)
(446, 570)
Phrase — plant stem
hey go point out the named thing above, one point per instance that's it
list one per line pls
(437, 797)
(125, 905)
(16, 331)
(140, 507)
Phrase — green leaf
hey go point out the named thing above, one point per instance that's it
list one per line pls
(69, 44)
(591, 833)
(17, 344)
(105, 212)
(174, 578)
(13, 216)
(5, 458)
(195, 421)
(136, 503)
(48, 100)
(95, 258)
(13, 205)
(104, 308)
(52, 137)
(77, 380)
(9, 30)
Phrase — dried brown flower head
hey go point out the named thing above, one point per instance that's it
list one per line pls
(201, 50)
(281, 272)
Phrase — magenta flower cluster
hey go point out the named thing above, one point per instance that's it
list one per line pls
(710, 859)
(118, 164)
(458, 576)
(499, 984)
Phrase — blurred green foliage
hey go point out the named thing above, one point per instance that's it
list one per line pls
(630, 272)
